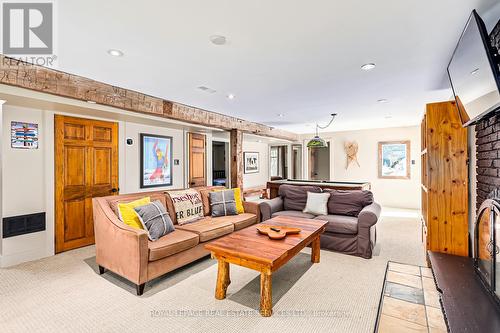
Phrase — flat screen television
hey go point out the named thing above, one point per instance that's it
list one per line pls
(474, 73)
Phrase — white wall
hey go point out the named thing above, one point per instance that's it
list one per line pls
(402, 193)
(260, 178)
(28, 175)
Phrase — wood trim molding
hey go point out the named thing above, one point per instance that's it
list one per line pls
(17, 73)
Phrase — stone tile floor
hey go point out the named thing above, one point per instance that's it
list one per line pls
(410, 301)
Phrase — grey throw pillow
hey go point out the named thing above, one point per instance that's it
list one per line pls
(155, 219)
(223, 203)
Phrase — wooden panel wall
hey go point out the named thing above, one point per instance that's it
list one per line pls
(445, 187)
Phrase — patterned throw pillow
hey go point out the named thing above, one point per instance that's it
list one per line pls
(223, 203)
(155, 219)
(237, 199)
(187, 205)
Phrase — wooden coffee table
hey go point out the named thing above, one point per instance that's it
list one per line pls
(250, 249)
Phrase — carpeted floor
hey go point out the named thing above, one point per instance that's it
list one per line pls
(64, 293)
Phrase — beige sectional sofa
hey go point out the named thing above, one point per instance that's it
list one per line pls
(129, 253)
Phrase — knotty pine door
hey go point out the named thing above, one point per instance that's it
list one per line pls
(86, 166)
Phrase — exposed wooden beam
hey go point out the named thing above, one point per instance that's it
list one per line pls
(25, 75)
(236, 142)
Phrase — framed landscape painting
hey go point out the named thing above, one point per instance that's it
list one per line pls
(394, 159)
(251, 162)
(156, 160)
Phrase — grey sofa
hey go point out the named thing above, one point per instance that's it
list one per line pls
(352, 216)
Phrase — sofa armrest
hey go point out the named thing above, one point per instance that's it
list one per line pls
(369, 215)
(252, 208)
(119, 248)
(269, 207)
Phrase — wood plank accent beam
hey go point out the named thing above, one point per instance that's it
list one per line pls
(17, 73)
(236, 142)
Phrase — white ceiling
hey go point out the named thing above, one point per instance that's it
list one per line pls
(298, 58)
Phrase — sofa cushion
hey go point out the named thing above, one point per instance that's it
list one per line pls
(187, 205)
(293, 213)
(175, 242)
(114, 200)
(204, 192)
(222, 203)
(155, 220)
(348, 202)
(295, 197)
(209, 228)
(316, 203)
(127, 214)
(239, 221)
(340, 224)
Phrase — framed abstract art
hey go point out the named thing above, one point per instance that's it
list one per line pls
(156, 160)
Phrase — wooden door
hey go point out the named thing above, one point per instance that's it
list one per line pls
(86, 166)
(197, 160)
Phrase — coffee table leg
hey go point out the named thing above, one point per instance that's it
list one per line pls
(315, 250)
(223, 279)
(266, 294)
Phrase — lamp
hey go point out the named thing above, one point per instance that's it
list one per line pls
(318, 142)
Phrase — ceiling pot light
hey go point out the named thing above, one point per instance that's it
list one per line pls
(382, 100)
(115, 53)
(318, 142)
(368, 67)
(281, 115)
(218, 39)
(230, 96)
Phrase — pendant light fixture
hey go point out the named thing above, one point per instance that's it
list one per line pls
(318, 142)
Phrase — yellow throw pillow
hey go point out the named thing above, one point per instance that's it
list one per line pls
(128, 215)
(237, 199)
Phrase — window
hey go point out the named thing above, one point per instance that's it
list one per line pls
(274, 162)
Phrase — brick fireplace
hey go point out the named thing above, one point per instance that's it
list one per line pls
(488, 157)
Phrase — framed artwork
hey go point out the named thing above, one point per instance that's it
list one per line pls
(394, 159)
(251, 162)
(23, 135)
(156, 160)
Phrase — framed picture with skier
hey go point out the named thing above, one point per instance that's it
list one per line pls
(156, 160)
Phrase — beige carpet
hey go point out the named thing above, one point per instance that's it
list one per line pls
(63, 293)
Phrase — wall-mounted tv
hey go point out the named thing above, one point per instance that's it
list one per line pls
(474, 73)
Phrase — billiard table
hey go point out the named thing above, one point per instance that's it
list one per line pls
(274, 185)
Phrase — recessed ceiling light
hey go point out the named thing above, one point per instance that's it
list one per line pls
(368, 67)
(382, 100)
(115, 53)
(218, 39)
(281, 115)
(230, 96)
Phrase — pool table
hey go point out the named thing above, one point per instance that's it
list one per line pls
(274, 185)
